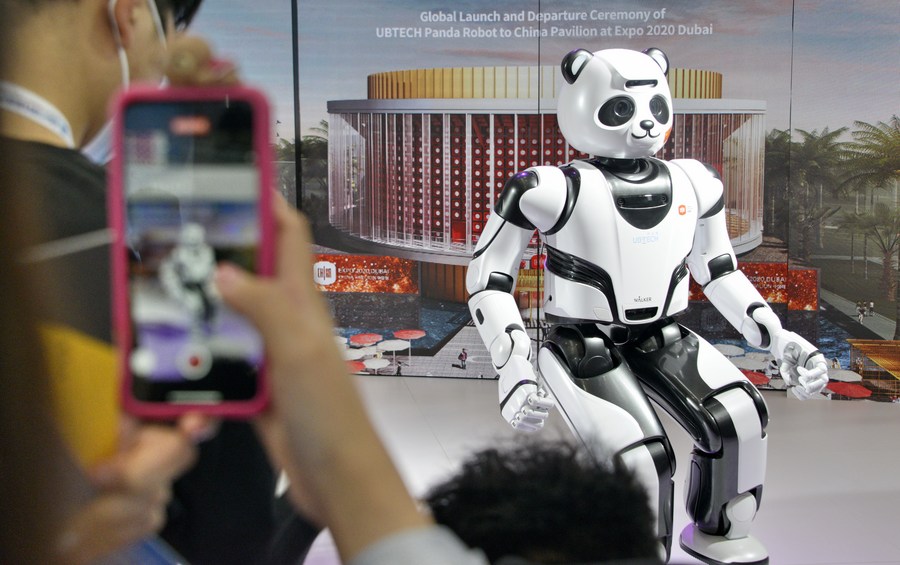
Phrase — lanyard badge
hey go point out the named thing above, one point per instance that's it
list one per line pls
(39, 110)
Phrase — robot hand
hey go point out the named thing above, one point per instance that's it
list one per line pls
(801, 365)
(523, 403)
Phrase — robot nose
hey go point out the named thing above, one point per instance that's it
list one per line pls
(647, 125)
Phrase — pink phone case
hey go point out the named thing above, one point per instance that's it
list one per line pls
(122, 326)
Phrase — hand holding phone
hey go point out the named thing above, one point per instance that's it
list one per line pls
(190, 186)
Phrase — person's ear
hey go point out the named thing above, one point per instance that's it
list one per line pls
(122, 17)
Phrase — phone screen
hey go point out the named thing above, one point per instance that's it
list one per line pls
(191, 186)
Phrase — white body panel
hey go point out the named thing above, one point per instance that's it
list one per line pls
(640, 262)
(604, 428)
(752, 455)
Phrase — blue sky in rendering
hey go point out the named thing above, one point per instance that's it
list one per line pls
(844, 55)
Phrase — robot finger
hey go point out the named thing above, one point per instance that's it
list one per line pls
(787, 370)
(813, 383)
(533, 415)
(539, 402)
(523, 426)
(816, 370)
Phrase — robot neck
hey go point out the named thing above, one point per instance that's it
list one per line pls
(630, 169)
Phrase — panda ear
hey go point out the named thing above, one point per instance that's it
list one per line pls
(660, 58)
(573, 64)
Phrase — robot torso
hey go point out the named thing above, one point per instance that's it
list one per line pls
(617, 250)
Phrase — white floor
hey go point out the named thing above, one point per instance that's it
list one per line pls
(832, 495)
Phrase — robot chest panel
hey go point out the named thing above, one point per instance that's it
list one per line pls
(639, 255)
(195, 264)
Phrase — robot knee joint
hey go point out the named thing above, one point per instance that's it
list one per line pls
(724, 487)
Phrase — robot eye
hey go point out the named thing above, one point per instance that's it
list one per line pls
(659, 109)
(616, 111)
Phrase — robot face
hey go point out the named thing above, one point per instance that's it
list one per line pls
(616, 103)
(192, 234)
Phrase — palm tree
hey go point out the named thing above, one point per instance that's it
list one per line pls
(286, 167)
(285, 150)
(855, 224)
(884, 231)
(777, 182)
(313, 163)
(815, 168)
(314, 157)
(873, 157)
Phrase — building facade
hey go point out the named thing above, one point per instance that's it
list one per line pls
(414, 169)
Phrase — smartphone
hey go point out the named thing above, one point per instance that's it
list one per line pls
(190, 186)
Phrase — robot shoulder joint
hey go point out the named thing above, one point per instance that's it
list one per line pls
(507, 206)
(707, 185)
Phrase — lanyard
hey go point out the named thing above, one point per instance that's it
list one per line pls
(37, 109)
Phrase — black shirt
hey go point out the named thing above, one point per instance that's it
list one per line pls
(224, 510)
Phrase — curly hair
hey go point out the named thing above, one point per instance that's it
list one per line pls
(546, 502)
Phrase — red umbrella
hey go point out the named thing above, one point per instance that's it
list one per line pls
(409, 334)
(365, 339)
(756, 377)
(850, 390)
(356, 366)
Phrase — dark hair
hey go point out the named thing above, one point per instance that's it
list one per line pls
(548, 503)
(183, 11)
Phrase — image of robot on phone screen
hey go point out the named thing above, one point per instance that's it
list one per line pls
(622, 231)
(187, 274)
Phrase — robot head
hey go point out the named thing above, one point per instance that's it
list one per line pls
(617, 102)
(192, 234)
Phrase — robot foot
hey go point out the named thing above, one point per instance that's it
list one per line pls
(719, 550)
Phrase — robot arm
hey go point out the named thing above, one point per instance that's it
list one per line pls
(713, 265)
(168, 277)
(490, 280)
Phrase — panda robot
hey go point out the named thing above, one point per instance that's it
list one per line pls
(622, 232)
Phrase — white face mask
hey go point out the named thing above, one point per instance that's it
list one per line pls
(99, 148)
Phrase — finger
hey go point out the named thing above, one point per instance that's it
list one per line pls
(294, 238)
(818, 371)
(188, 54)
(540, 402)
(523, 426)
(162, 455)
(198, 427)
(244, 292)
(108, 523)
(785, 369)
(158, 456)
(129, 428)
(218, 72)
(192, 63)
(815, 385)
(534, 415)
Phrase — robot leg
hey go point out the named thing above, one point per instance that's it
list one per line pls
(604, 406)
(723, 489)
(727, 417)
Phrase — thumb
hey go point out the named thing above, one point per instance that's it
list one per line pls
(242, 291)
